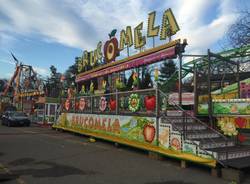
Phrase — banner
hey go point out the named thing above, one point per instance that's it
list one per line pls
(140, 129)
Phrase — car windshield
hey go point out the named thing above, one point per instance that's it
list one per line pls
(16, 114)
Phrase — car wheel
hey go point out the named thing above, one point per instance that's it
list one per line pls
(27, 124)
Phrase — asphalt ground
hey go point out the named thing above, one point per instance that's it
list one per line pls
(36, 155)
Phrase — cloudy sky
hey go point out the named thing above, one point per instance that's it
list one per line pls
(45, 32)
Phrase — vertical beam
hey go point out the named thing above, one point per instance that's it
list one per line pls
(238, 78)
(183, 164)
(180, 79)
(209, 89)
(116, 102)
(77, 90)
(195, 91)
(157, 109)
(92, 104)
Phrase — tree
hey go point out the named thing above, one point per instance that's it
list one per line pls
(188, 84)
(146, 81)
(166, 79)
(52, 70)
(70, 75)
(3, 83)
(53, 84)
(239, 33)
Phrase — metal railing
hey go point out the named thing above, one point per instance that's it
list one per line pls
(172, 105)
(111, 103)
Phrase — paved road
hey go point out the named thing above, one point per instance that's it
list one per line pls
(38, 155)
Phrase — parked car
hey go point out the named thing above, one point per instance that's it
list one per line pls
(4, 107)
(15, 118)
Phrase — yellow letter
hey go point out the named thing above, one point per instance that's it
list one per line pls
(152, 31)
(169, 25)
(78, 61)
(126, 38)
(99, 51)
(92, 58)
(140, 40)
(85, 61)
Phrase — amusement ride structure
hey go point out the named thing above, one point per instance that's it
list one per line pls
(146, 118)
(24, 87)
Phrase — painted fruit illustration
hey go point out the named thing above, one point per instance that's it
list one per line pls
(76, 105)
(82, 104)
(234, 109)
(150, 102)
(112, 104)
(103, 104)
(242, 138)
(241, 122)
(67, 104)
(175, 144)
(164, 137)
(111, 47)
(134, 102)
(149, 133)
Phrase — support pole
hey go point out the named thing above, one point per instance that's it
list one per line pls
(196, 95)
(209, 90)
(238, 78)
(180, 79)
(157, 113)
(128, 51)
(116, 102)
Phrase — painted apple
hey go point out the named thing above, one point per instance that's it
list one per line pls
(112, 104)
(149, 133)
(150, 102)
(111, 47)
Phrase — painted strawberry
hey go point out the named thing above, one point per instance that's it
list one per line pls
(149, 133)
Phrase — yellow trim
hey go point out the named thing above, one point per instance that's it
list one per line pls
(167, 152)
(156, 49)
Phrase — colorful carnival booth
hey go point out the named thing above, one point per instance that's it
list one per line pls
(46, 110)
(103, 106)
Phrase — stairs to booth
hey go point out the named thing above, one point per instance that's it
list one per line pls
(227, 151)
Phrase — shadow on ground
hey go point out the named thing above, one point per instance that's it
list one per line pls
(170, 182)
(49, 169)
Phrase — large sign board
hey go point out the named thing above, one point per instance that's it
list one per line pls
(129, 64)
(128, 37)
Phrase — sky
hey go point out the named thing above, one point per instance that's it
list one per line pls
(42, 33)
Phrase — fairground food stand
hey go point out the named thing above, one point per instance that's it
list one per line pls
(46, 110)
(104, 108)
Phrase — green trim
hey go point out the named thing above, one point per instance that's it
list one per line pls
(88, 133)
(52, 100)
